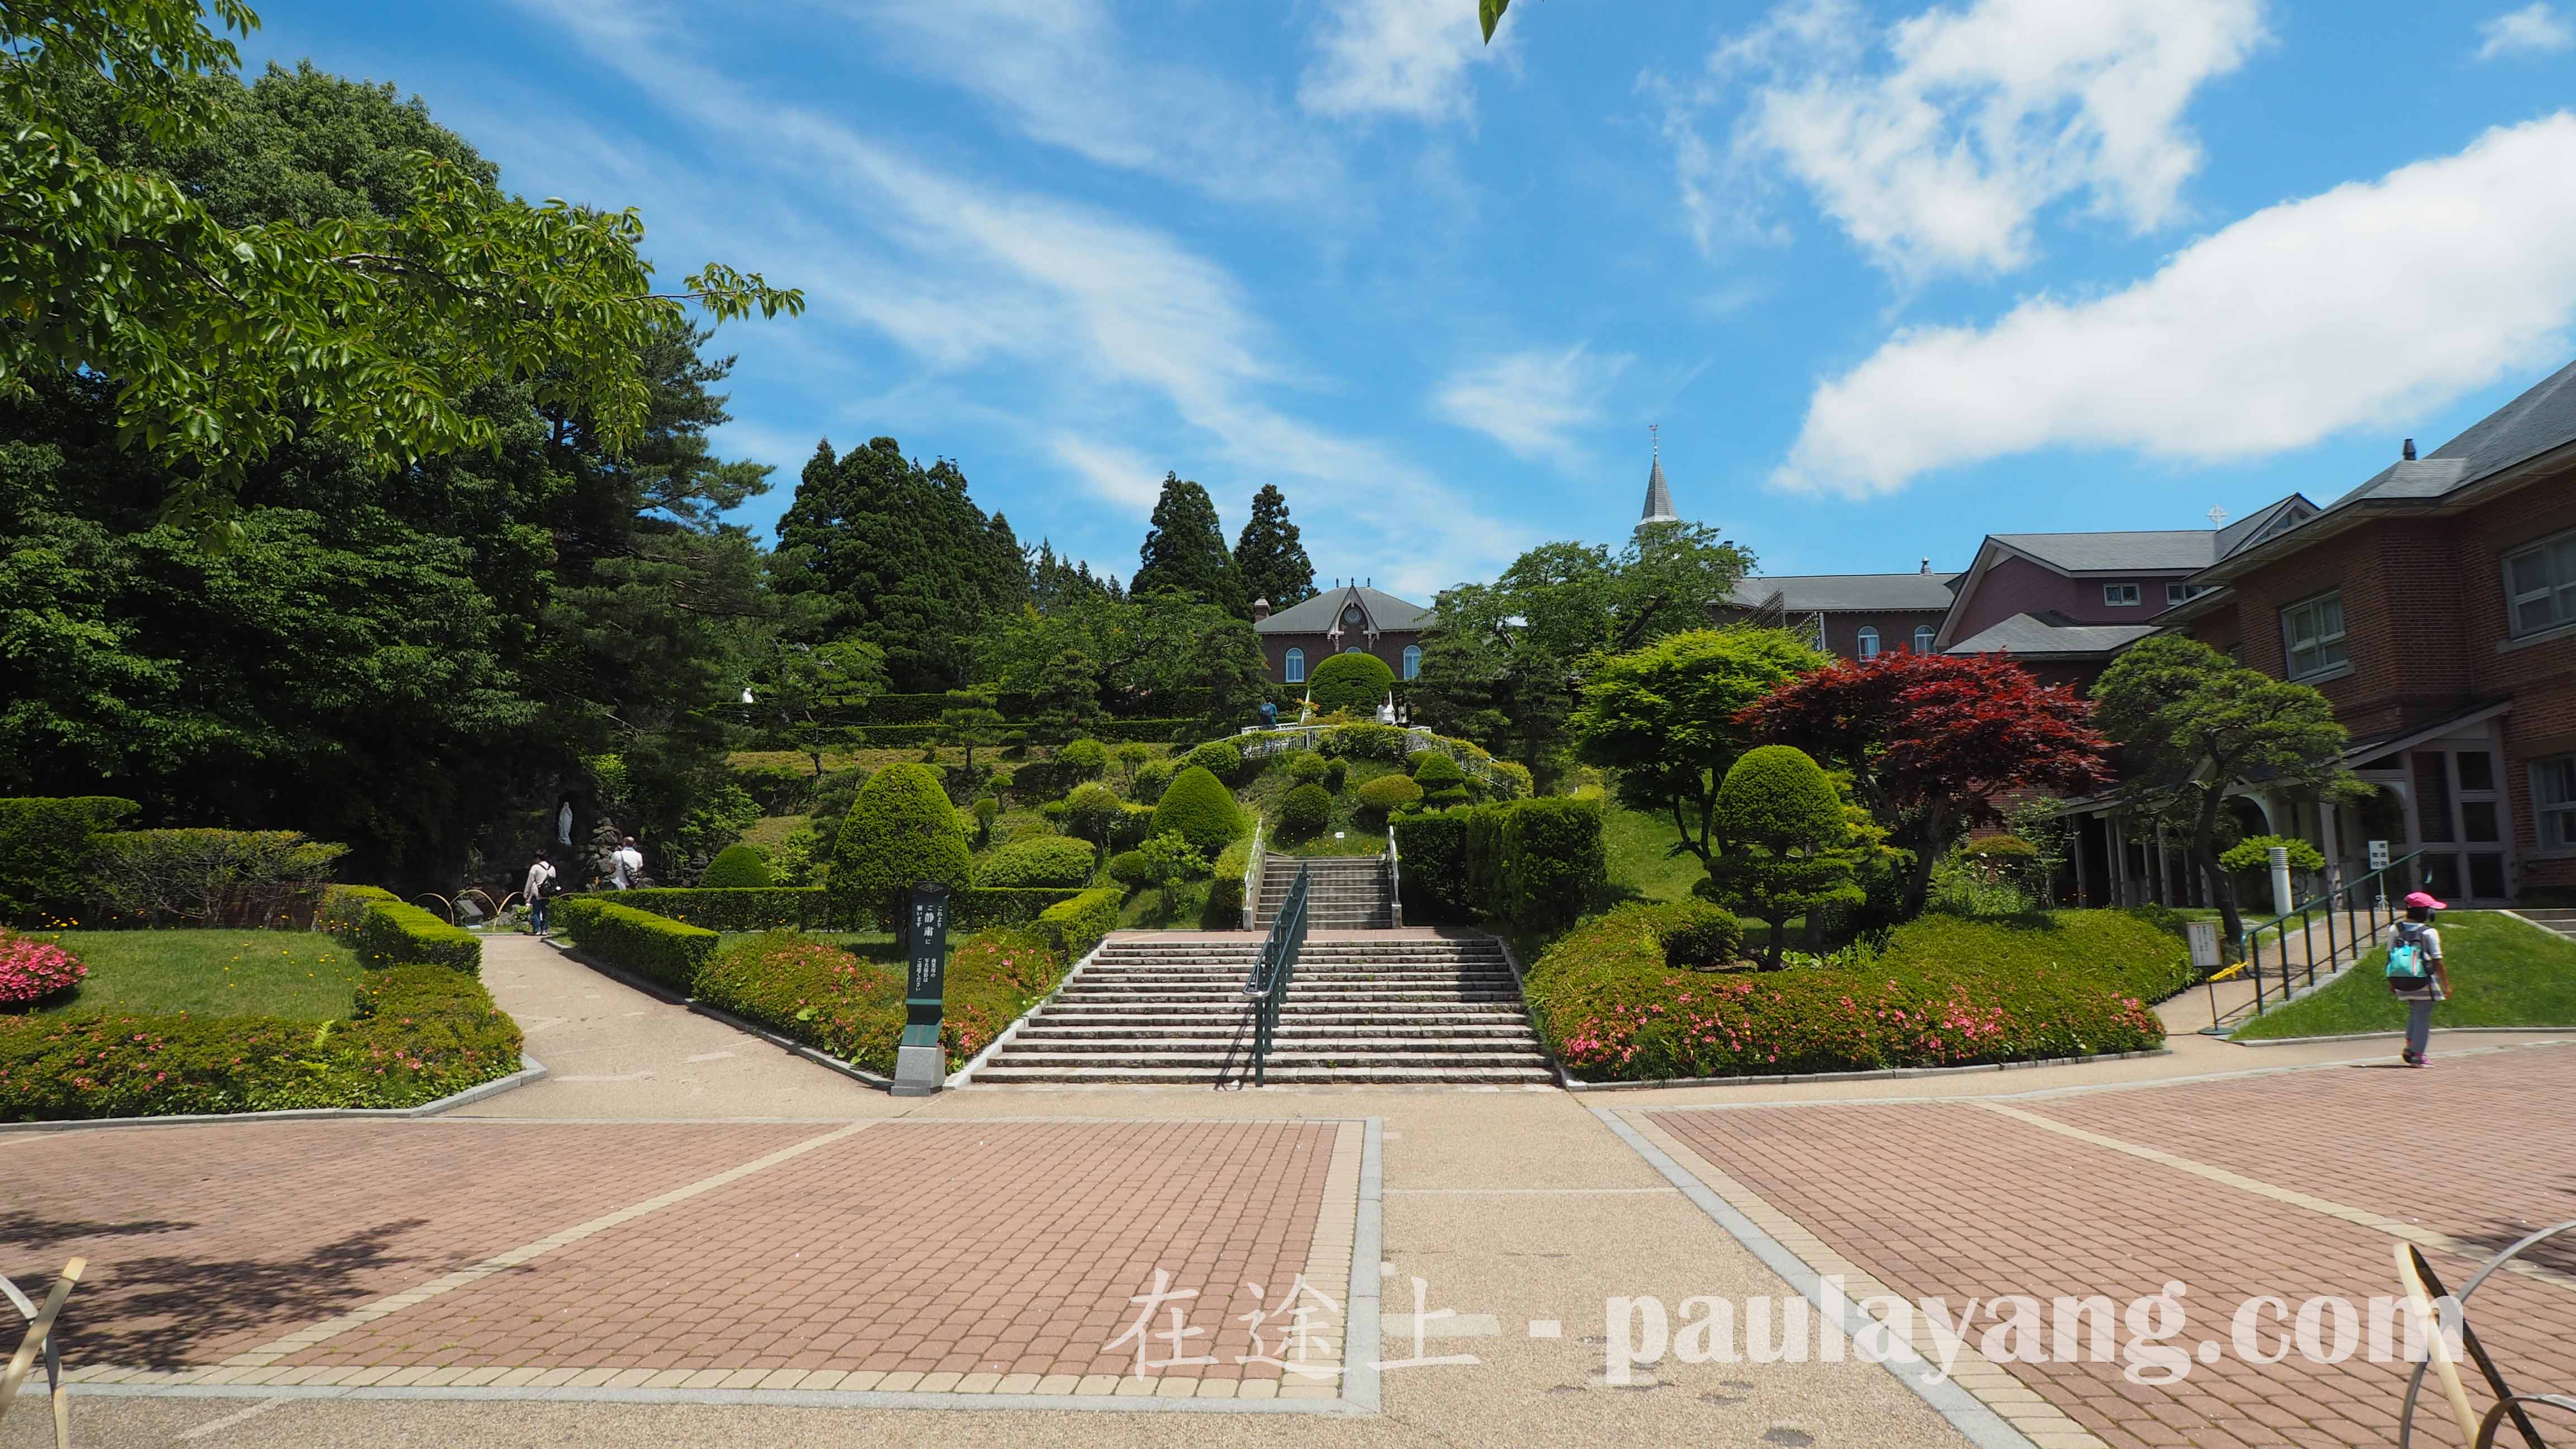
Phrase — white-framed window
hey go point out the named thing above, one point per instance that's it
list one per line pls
(2312, 635)
(1412, 661)
(2540, 585)
(1296, 666)
(1868, 642)
(2120, 596)
(1924, 634)
(2553, 800)
(2179, 593)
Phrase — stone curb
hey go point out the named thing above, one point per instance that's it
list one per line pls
(2282, 1041)
(1888, 1074)
(530, 1070)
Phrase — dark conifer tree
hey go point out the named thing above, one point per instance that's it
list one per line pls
(1268, 558)
(1185, 550)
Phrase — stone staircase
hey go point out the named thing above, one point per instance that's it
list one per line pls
(1343, 892)
(2555, 918)
(1388, 1006)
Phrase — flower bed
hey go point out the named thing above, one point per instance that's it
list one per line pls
(814, 992)
(33, 970)
(1945, 992)
(416, 1033)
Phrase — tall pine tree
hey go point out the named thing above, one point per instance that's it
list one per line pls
(1268, 558)
(1185, 551)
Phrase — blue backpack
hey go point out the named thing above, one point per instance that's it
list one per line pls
(2406, 957)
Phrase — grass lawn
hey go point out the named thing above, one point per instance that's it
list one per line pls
(2503, 973)
(303, 975)
(1635, 841)
(771, 831)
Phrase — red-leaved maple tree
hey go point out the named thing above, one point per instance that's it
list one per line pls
(1934, 741)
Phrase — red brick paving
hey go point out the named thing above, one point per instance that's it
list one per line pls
(927, 1247)
(205, 1240)
(1955, 1200)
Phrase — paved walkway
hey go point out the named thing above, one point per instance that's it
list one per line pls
(749, 1249)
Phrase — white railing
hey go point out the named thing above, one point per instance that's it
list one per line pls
(1394, 879)
(1252, 880)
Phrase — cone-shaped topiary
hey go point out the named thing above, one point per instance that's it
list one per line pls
(1199, 807)
(737, 868)
(1039, 860)
(1355, 682)
(900, 830)
(1434, 770)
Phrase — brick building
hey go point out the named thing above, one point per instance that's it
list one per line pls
(1350, 618)
(1854, 616)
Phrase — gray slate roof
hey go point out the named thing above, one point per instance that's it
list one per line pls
(2542, 418)
(1849, 593)
(2173, 548)
(1315, 616)
(2031, 634)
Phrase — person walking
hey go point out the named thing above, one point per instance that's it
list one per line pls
(627, 866)
(2416, 974)
(540, 892)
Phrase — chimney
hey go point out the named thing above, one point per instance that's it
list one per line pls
(1927, 564)
(2408, 453)
(1260, 610)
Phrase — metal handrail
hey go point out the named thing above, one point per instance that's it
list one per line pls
(1272, 970)
(1394, 878)
(2364, 906)
(1252, 880)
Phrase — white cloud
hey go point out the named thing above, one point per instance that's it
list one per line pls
(2371, 301)
(1061, 72)
(1394, 58)
(1532, 401)
(1935, 142)
(2535, 29)
(1127, 479)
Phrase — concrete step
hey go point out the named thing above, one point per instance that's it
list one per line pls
(1338, 1075)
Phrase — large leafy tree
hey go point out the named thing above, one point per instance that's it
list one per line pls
(377, 328)
(1268, 557)
(897, 555)
(1937, 744)
(1666, 719)
(2197, 725)
(1185, 552)
(1161, 653)
(806, 686)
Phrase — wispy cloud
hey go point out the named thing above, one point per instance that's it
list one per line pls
(1934, 142)
(2535, 29)
(2373, 299)
(1409, 58)
(1532, 402)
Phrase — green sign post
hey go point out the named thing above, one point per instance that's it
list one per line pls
(921, 1065)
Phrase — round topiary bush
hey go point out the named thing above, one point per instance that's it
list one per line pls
(737, 868)
(901, 829)
(1380, 797)
(1218, 758)
(1199, 807)
(1130, 869)
(1039, 860)
(1442, 799)
(1354, 681)
(1335, 772)
(1778, 796)
(1433, 770)
(1093, 812)
(1153, 777)
(1307, 768)
(1083, 759)
(1305, 811)
(1701, 937)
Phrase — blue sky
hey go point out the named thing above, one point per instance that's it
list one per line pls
(1890, 276)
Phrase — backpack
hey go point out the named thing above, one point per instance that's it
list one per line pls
(2406, 958)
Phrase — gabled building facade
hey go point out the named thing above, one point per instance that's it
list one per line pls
(1348, 618)
(1851, 616)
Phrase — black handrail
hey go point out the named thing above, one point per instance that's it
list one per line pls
(2366, 909)
(1267, 986)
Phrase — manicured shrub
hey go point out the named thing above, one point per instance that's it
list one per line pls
(1218, 758)
(813, 992)
(1448, 797)
(1225, 886)
(32, 970)
(1434, 770)
(1379, 797)
(987, 810)
(775, 908)
(1434, 851)
(776, 789)
(1128, 868)
(1075, 926)
(1785, 840)
(1086, 759)
(654, 947)
(1701, 936)
(737, 868)
(1040, 860)
(1355, 682)
(1336, 770)
(1134, 823)
(1532, 864)
(416, 1034)
(901, 830)
(1510, 781)
(1093, 812)
(1616, 1009)
(1367, 742)
(2254, 853)
(1304, 811)
(46, 845)
(1200, 808)
(394, 934)
(1307, 767)
(344, 908)
(1153, 777)
(209, 877)
(2009, 850)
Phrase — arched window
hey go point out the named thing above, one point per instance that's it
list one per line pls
(1354, 649)
(1412, 660)
(1296, 666)
(1868, 642)
(1923, 636)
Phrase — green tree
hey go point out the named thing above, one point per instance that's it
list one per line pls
(1133, 654)
(807, 684)
(1167, 859)
(901, 830)
(376, 328)
(1788, 841)
(1268, 558)
(968, 721)
(1185, 553)
(1664, 721)
(2198, 726)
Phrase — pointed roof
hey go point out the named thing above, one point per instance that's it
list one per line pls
(1659, 498)
(1318, 615)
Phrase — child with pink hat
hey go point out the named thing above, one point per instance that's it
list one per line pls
(2415, 973)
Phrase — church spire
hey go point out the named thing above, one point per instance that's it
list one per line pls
(1659, 498)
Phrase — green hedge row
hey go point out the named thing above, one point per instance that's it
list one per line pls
(814, 992)
(417, 1033)
(391, 933)
(652, 946)
(46, 844)
(1957, 993)
(810, 908)
(1074, 926)
(925, 709)
(1533, 865)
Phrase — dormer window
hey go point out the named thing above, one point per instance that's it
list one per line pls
(2120, 596)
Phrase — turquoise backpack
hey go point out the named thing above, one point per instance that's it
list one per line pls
(2406, 957)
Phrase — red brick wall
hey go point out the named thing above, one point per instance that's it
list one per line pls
(1895, 630)
(2018, 586)
(1275, 647)
(2540, 676)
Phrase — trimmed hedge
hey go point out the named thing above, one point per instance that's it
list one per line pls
(1225, 887)
(1074, 926)
(392, 933)
(1038, 860)
(1534, 865)
(1357, 682)
(652, 946)
(900, 829)
(1006, 906)
(343, 907)
(770, 909)
(46, 844)
(737, 868)
(1380, 797)
(1200, 808)
(417, 1033)
(1366, 742)
(1614, 1010)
